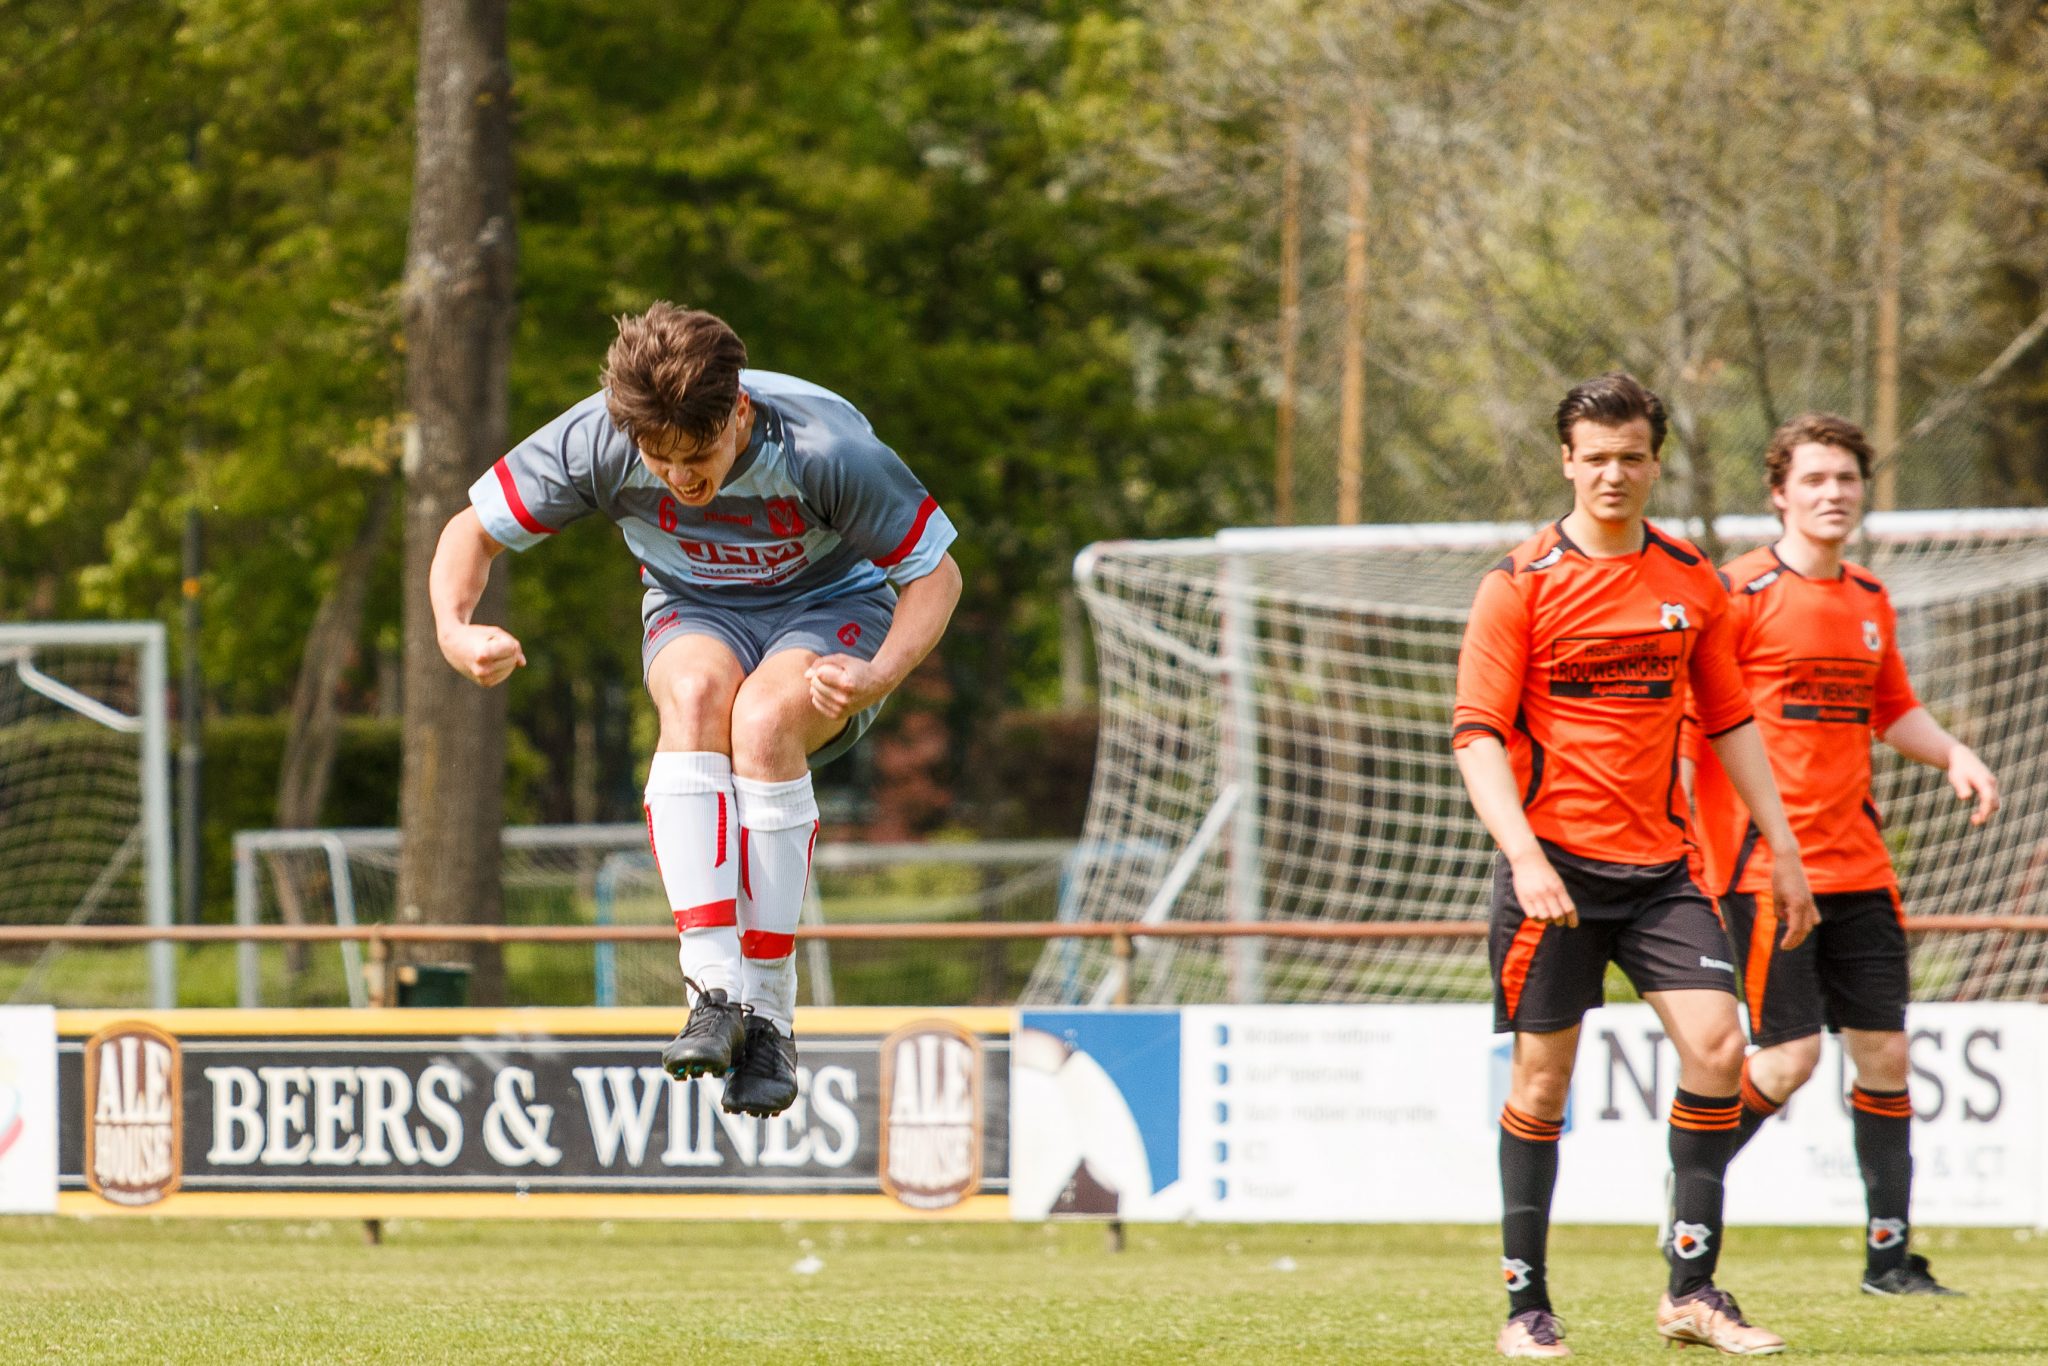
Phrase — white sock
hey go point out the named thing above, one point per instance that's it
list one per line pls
(778, 830)
(689, 809)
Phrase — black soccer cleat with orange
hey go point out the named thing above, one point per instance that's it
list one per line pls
(710, 1041)
(763, 1080)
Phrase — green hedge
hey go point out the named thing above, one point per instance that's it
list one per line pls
(241, 756)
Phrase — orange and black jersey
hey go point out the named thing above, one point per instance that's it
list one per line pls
(1820, 659)
(1582, 667)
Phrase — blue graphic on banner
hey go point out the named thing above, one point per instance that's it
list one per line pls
(1140, 1052)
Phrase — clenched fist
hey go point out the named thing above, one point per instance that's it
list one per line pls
(485, 655)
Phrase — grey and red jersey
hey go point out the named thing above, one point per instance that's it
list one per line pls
(815, 506)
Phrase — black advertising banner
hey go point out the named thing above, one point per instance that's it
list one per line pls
(528, 1113)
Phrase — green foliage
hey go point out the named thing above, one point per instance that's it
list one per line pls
(241, 756)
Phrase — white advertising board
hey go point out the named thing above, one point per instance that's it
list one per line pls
(1386, 1113)
(28, 1110)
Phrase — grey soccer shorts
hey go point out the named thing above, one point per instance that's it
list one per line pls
(850, 625)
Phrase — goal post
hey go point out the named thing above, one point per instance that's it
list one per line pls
(85, 808)
(1275, 738)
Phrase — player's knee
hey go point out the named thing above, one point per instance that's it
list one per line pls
(1540, 1087)
(1719, 1050)
(766, 722)
(1880, 1059)
(1801, 1056)
(693, 704)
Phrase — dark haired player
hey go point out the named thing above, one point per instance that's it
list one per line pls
(1582, 647)
(795, 572)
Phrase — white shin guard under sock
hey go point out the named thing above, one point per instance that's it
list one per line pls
(778, 831)
(689, 819)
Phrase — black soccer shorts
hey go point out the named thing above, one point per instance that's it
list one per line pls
(1850, 973)
(1654, 922)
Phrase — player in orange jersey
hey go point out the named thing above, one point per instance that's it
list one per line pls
(1578, 659)
(1817, 642)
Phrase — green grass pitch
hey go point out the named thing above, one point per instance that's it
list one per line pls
(196, 1291)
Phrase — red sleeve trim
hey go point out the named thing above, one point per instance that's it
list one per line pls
(1730, 730)
(924, 514)
(518, 504)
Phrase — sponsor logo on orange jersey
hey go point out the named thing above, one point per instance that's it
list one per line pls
(1830, 690)
(1634, 668)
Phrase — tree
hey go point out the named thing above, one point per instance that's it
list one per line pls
(458, 300)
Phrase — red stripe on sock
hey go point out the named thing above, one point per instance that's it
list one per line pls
(720, 860)
(762, 944)
(746, 883)
(709, 916)
(648, 811)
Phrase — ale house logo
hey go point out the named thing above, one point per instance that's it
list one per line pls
(931, 1114)
(134, 1129)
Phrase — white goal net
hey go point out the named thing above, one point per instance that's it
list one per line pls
(1276, 747)
(84, 805)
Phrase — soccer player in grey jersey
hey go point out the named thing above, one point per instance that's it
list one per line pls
(795, 573)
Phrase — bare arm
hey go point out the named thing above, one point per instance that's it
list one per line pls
(844, 684)
(1920, 737)
(486, 655)
(1741, 752)
(1490, 781)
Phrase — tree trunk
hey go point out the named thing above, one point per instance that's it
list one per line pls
(1884, 427)
(1290, 318)
(315, 721)
(458, 300)
(1351, 415)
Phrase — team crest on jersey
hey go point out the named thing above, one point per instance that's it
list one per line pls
(1887, 1232)
(1671, 616)
(1689, 1240)
(1515, 1272)
(1872, 639)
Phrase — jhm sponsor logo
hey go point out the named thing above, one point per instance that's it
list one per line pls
(134, 1138)
(931, 1114)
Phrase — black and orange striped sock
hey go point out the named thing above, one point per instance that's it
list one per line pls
(1703, 1130)
(1883, 1122)
(1528, 1177)
(1756, 1108)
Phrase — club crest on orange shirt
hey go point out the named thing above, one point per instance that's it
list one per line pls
(1872, 639)
(1671, 616)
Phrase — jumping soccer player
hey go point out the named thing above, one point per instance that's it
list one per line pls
(1572, 682)
(769, 522)
(1817, 641)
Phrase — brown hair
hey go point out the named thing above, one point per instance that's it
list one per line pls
(673, 370)
(1610, 400)
(1824, 429)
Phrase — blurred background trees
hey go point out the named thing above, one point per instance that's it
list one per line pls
(1096, 269)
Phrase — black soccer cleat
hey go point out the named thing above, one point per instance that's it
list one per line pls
(710, 1041)
(763, 1081)
(1911, 1279)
